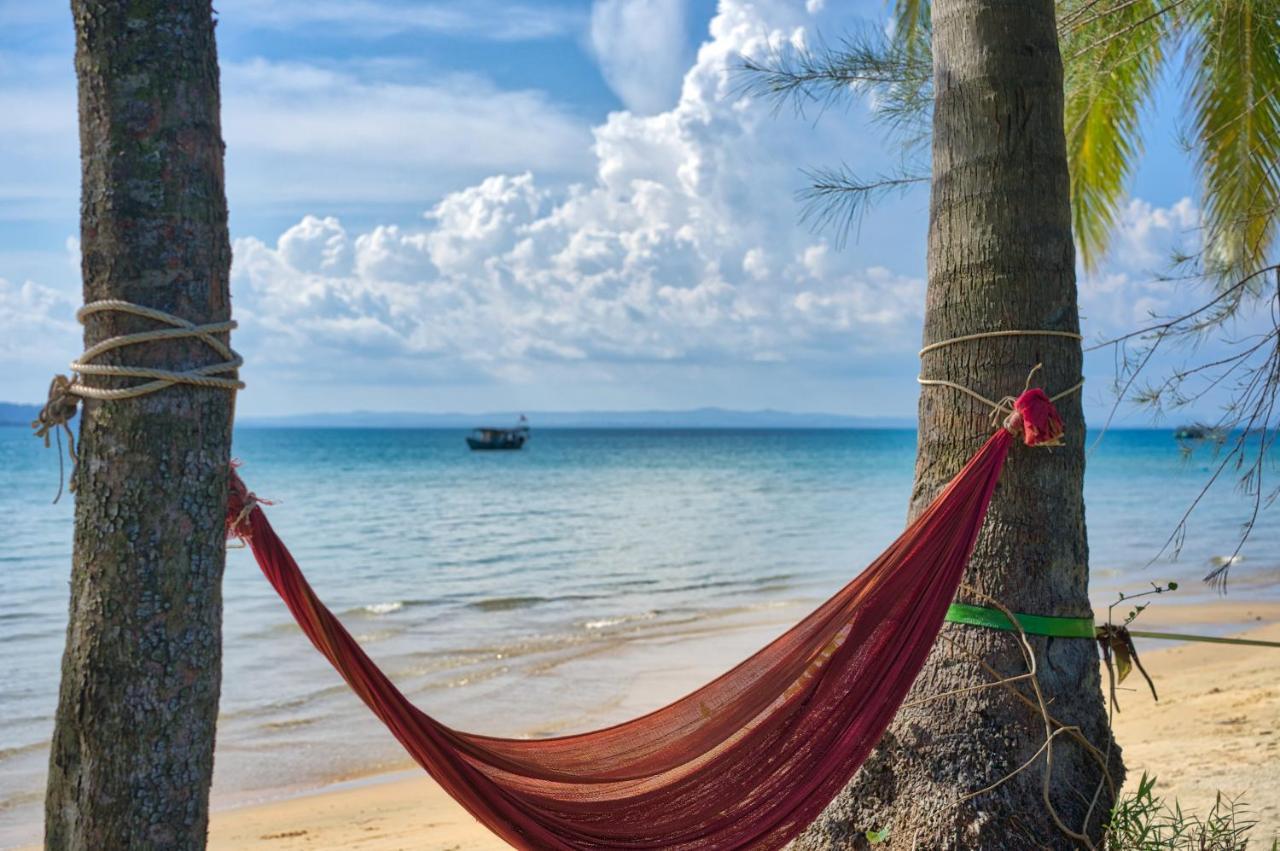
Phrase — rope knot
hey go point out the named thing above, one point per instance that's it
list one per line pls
(1036, 418)
(58, 410)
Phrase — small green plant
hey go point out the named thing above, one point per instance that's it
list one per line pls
(1142, 821)
(875, 837)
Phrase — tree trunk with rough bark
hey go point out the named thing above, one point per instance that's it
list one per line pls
(132, 751)
(1000, 257)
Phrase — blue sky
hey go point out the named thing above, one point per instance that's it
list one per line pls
(543, 205)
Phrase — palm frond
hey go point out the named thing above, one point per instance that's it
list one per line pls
(1234, 102)
(894, 78)
(912, 26)
(1113, 51)
(837, 198)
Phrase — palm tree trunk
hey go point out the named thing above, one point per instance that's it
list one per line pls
(1000, 257)
(132, 751)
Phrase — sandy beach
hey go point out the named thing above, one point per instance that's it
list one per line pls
(1215, 728)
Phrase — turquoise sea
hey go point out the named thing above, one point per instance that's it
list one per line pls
(472, 577)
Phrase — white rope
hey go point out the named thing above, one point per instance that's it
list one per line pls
(204, 376)
(1003, 406)
(983, 335)
(1000, 406)
(65, 393)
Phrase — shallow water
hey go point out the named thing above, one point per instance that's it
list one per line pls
(473, 577)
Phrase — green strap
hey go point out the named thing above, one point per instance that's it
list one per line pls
(1074, 627)
(1031, 624)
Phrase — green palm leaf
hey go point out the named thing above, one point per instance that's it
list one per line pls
(1233, 58)
(1112, 54)
(911, 26)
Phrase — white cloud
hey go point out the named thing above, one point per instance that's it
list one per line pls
(358, 132)
(1146, 236)
(40, 137)
(1129, 288)
(640, 45)
(674, 271)
(485, 19)
(302, 132)
(37, 326)
(682, 253)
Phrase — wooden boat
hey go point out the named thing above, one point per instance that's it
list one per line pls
(1196, 432)
(499, 438)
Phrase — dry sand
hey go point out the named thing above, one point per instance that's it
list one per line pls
(1216, 727)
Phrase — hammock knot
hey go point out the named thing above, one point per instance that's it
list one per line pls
(240, 504)
(1036, 419)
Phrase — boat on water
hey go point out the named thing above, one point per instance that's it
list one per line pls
(484, 438)
(1197, 432)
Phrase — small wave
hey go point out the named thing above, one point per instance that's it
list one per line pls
(21, 799)
(10, 753)
(506, 604)
(371, 637)
(33, 636)
(1226, 561)
(287, 723)
(374, 609)
(605, 623)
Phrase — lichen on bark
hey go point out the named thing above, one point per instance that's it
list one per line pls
(132, 752)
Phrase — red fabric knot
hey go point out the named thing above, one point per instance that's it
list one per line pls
(1037, 418)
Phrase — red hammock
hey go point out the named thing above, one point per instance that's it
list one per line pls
(746, 761)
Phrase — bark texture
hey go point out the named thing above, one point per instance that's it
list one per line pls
(132, 751)
(1000, 256)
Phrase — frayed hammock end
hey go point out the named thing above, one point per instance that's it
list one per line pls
(1036, 419)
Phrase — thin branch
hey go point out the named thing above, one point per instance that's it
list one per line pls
(837, 199)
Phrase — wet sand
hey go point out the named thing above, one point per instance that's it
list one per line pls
(1216, 727)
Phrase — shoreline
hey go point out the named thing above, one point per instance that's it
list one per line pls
(1207, 692)
(1201, 688)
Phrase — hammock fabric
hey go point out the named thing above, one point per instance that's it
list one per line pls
(746, 761)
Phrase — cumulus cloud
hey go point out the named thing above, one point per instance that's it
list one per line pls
(682, 252)
(674, 268)
(1129, 288)
(640, 45)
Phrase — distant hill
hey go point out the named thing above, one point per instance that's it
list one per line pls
(697, 418)
(12, 414)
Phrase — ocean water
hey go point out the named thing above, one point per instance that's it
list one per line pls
(494, 587)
